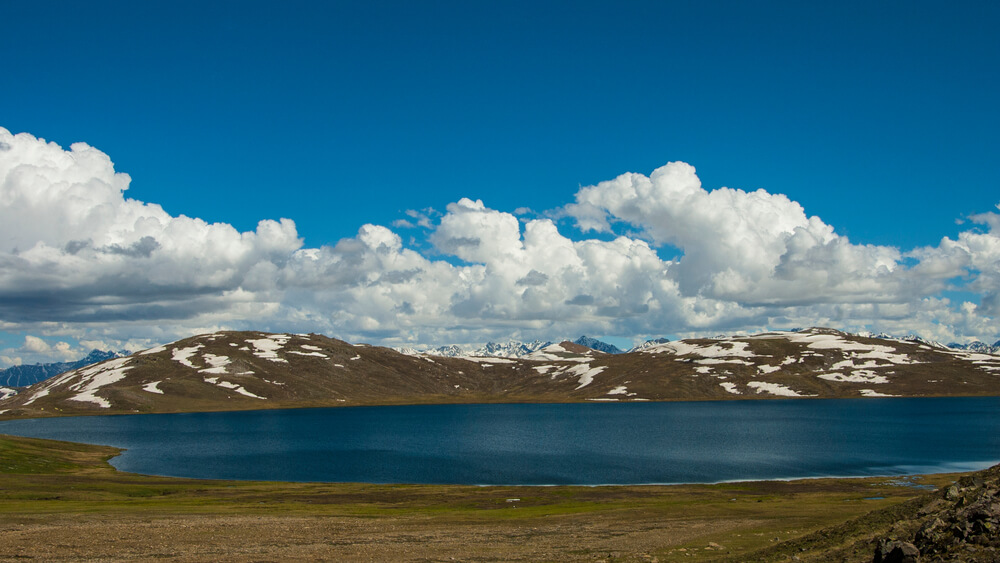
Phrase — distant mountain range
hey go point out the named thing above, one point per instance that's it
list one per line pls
(516, 349)
(254, 370)
(977, 346)
(509, 349)
(25, 375)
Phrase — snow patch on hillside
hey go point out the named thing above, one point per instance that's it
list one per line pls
(773, 388)
(313, 354)
(183, 355)
(486, 360)
(874, 393)
(716, 361)
(586, 373)
(152, 388)
(92, 378)
(856, 376)
(238, 389)
(218, 363)
(721, 349)
(730, 387)
(267, 348)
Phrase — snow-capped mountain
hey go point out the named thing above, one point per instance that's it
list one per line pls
(649, 344)
(517, 349)
(25, 375)
(509, 349)
(598, 345)
(254, 370)
(977, 347)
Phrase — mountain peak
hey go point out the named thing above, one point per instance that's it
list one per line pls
(596, 344)
(25, 375)
(649, 344)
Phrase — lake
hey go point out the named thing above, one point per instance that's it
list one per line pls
(552, 444)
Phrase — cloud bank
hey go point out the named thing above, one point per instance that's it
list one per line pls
(79, 258)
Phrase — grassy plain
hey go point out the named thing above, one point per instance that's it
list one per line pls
(64, 501)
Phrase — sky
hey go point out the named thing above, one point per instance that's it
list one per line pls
(428, 173)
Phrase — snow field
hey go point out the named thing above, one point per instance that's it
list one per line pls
(857, 376)
(267, 348)
(232, 387)
(92, 378)
(773, 388)
(183, 355)
(586, 373)
(314, 354)
(218, 363)
(874, 393)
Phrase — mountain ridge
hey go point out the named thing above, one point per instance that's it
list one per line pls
(254, 370)
(25, 375)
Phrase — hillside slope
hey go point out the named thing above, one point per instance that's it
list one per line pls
(251, 370)
(25, 375)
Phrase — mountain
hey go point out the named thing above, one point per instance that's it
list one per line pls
(649, 344)
(253, 370)
(977, 347)
(598, 345)
(23, 376)
(509, 349)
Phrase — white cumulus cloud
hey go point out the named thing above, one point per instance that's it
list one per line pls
(747, 247)
(74, 248)
(79, 258)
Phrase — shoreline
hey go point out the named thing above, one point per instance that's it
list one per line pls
(278, 406)
(61, 500)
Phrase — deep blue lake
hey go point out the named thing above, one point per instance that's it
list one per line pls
(545, 444)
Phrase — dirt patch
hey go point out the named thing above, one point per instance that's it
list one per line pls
(270, 538)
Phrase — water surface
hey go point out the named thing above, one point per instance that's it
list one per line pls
(538, 444)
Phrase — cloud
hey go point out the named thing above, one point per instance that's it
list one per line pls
(73, 247)
(974, 254)
(79, 258)
(7, 361)
(749, 247)
(38, 350)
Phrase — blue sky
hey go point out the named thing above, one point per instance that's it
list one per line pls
(878, 118)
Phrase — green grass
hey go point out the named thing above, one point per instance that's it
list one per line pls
(42, 479)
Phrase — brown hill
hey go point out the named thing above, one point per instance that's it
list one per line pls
(252, 370)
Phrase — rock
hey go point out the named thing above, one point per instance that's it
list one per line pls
(952, 492)
(933, 507)
(896, 552)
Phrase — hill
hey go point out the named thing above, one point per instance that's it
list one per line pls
(252, 370)
(25, 375)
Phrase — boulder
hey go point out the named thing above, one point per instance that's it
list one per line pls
(896, 552)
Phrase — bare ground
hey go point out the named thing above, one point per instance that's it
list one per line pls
(63, 502)
(285, 538)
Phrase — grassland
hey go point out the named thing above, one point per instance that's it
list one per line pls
(64, 501)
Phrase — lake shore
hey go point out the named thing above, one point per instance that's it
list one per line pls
(61, 500)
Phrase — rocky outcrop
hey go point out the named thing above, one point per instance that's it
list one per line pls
(960, 524)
